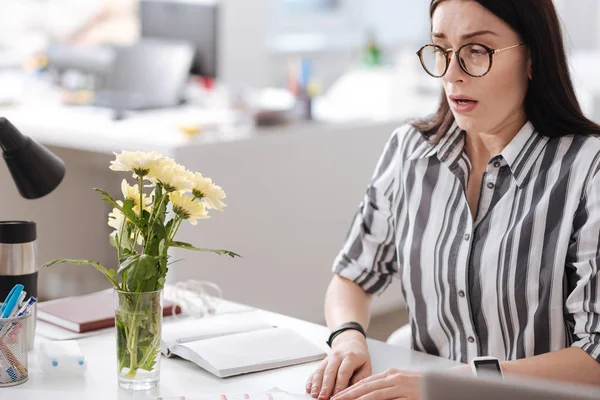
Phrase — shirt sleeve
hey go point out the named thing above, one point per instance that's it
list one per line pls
(583, 263)
(368, 256)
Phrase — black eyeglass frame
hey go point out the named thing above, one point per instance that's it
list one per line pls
(448, 53)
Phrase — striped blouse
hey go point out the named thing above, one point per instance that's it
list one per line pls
(518, 279)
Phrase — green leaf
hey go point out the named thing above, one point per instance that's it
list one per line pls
(122, 353)
(143, 275)
(169, 226)
(128, 263)
(113, 239)
(128, 213)
(160, 282)
(187, 246)
(110, 274)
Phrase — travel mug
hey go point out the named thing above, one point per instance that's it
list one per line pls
(18, 262)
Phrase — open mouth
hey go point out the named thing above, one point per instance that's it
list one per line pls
(464, 101)
(463, 104)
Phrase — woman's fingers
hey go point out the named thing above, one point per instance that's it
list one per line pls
(314, 383)
(330, 377)
(387, 393)
(364, 387)
(363, 373)
(348, 367)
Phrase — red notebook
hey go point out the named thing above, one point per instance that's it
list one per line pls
(86, 313)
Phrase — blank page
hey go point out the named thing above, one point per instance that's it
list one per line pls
(257, 350)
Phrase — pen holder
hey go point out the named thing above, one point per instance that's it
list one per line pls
(13, 350)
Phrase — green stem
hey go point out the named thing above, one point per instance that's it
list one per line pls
(120, 235)
(141, 197)
(176, 226)
(151, 350)
(152, 222)
(132, 340)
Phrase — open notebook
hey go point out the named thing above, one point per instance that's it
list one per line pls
(234, 344)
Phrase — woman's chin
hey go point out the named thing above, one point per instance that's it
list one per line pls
(469, 123)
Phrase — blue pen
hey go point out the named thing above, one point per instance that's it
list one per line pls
(18, 287)
(11, 302)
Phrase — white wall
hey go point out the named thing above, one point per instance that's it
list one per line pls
(71, 222)
(292, 194)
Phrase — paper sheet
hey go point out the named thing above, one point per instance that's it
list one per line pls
(273, 394)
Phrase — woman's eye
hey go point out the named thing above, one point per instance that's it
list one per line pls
(477, 52)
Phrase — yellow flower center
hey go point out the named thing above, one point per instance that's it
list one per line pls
(197, 194)
(141, 172)
(182, 212)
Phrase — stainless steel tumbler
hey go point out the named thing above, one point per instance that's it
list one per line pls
(18, 262)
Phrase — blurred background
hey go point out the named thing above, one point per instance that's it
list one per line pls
(285, 103)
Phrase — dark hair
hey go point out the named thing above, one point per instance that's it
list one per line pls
(550, 102)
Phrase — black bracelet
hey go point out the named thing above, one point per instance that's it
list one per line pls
(345, 327)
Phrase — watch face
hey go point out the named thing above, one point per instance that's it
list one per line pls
(488, 366)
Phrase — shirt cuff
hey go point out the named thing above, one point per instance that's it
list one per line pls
(370, 281)
(590, 345)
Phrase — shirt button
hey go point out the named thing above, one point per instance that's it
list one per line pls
(471, 339)
(490, 185)
(497, 164)
(461, 293)
(467, 237)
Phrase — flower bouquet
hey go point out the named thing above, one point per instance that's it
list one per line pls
(145, 227)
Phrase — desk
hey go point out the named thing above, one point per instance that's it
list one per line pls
(179, 377)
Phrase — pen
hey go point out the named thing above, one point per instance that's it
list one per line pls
(18, 303)
(11, 358)
(5, 303)
(24, 310)
(7, 373)
(11, 301)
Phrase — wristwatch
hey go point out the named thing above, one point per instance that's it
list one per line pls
(345, 327)
(486, 365)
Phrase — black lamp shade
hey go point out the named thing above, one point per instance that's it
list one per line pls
(35, 169)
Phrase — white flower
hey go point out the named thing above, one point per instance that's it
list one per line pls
(204, 189)
(139, 162)
(171, 175)
(188, 208)
(133, 193)
(115, 221)
(116, 218)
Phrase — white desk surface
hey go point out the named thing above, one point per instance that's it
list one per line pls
(183, 378)
(93, 129)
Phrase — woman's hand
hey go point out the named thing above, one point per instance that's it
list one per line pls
(391, 384)
(346, 365)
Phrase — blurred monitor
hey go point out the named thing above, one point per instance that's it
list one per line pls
(146, 75)
(195, 21)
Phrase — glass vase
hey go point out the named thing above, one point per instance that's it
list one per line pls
(138, 321)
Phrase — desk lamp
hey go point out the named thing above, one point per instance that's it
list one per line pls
(35, 170)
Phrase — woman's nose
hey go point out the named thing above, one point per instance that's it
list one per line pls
(455, 73)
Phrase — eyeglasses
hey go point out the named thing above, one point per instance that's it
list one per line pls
(475, 59)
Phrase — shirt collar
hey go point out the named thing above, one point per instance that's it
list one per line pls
(519, 154)
(450, 140)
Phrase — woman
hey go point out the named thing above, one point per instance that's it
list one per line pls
(488, 212)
